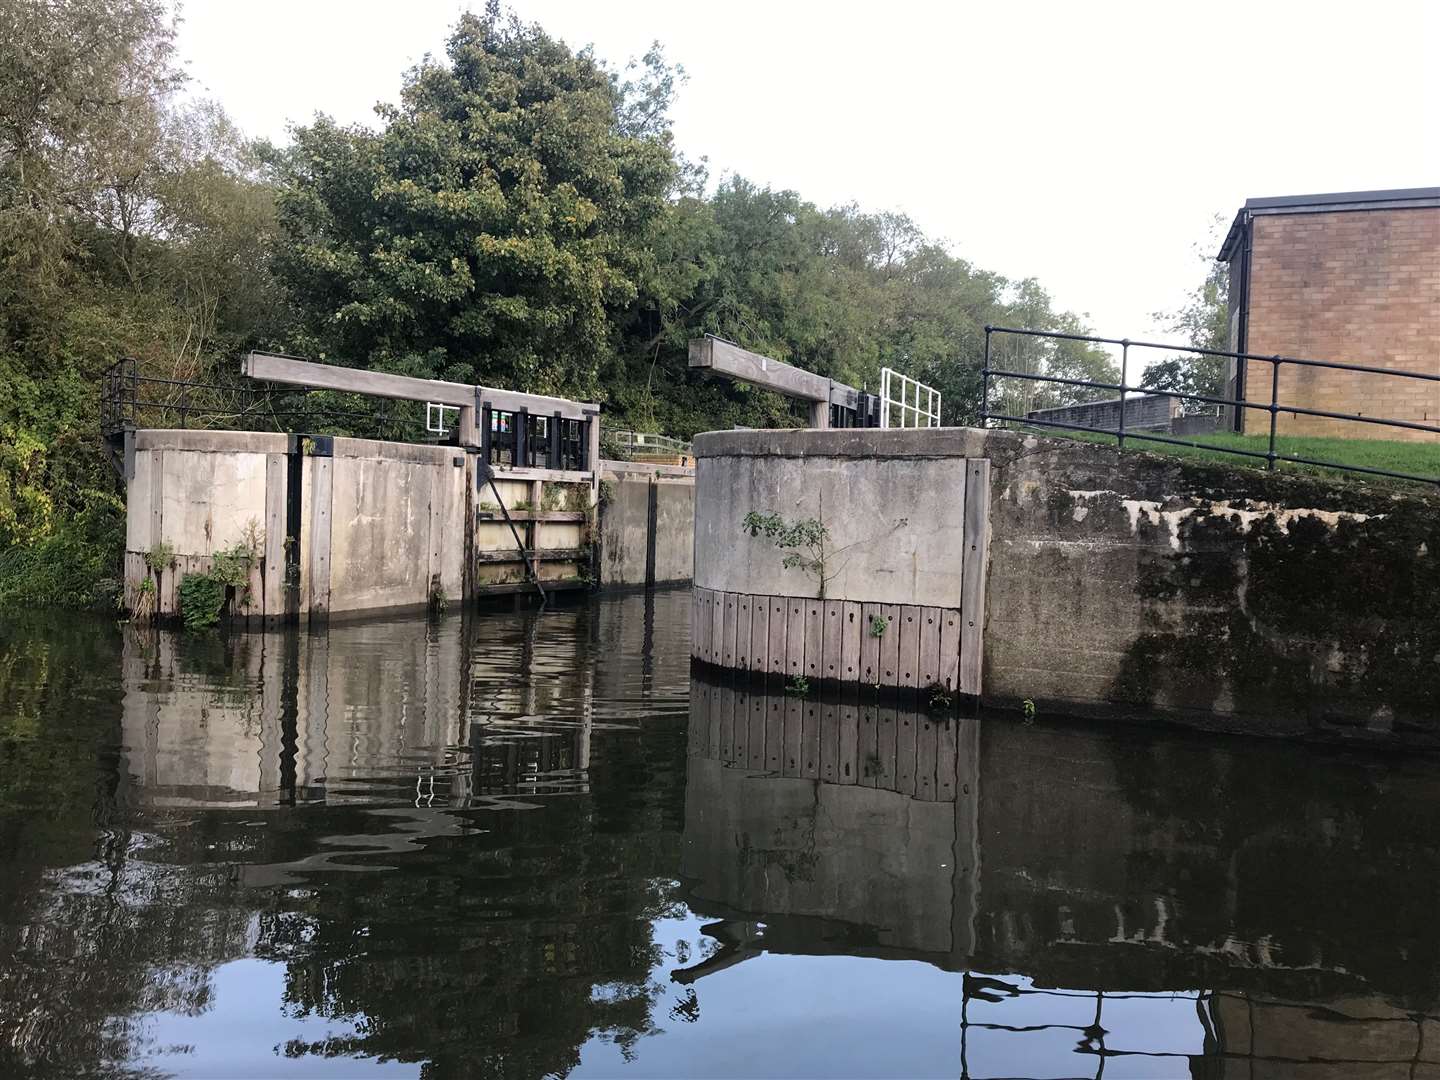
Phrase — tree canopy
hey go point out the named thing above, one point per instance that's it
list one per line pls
(519, 218)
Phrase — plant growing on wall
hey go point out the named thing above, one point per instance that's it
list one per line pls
(203, 596)
(878, 625)
(804, 541)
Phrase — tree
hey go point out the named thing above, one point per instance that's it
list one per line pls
(494, 226)
(1204, 322)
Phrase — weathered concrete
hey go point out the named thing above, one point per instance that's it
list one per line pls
(1128, 584)
(895, 519)
(647, 524)
(384, 525)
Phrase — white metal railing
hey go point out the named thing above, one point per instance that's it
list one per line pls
(916, 404)
(644, 442)
(438, 418)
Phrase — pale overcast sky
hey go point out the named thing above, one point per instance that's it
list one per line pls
(1086, 144)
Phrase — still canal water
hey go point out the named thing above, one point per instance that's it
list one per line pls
(528, 845)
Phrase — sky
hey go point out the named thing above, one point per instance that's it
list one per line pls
(1089, 145)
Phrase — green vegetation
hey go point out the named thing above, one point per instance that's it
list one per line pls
(1417, 459)
(203, 596)
(797, 684)
(805, 542)
(878, 625)
(520, 217)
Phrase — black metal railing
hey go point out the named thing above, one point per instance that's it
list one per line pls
(130, 399)
(1274, 407)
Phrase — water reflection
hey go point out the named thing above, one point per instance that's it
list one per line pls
(528, 845)
(1114, 903)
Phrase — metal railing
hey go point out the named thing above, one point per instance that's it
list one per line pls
(1274, 407)
(644, 442)
(130, 400)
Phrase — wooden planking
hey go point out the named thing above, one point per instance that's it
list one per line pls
(759, 633)
(831, 637)
(810, 739)
(794, 636)
(852, 627)
(772, 755)
(885, 745)
(736, 748)
(276, 482)
(775, 653)
(950, 648)
(847, 763)
(700, 714)
(814, 639)
(869, 645)
(925, 749)
(912, 620)
(728, 623)
(973, 571)
(755, 733)
(694, 621)
(890, 645)
(717, 627)
(905, 732)
(792, 746)
(868, 746)
(829, 740)
(742, 631)
(945, 759)
(929, 658)
(699, 626)
(722, 712)
(722, 729)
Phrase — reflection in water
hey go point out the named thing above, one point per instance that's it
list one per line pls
(527, 845)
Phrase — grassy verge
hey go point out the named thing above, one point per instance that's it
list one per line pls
(1417, 459)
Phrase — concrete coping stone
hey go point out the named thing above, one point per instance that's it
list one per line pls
(211, 442)
(270, 442)
(869, 443)
(645, 468)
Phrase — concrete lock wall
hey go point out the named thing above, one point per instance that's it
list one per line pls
(647, 524)
(1121, 584)
(381, 525)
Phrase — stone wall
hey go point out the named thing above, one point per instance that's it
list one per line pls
(1125, 584)
(1358, 287)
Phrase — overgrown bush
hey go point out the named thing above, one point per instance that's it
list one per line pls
(77, 565)
(201, 598)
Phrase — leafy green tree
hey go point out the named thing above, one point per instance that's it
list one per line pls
(495, 224)
(1204, 322)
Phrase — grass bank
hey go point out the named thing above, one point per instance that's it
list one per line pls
(1416, 459)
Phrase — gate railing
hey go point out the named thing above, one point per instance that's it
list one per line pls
(1273, 407)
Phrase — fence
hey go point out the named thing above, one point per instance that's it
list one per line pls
(914, 404)
(130, 400)
(1274, 407)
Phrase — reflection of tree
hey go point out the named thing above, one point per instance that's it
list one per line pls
(496, 954)
(498, 949)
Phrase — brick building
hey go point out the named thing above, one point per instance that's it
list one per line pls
(1352, 277)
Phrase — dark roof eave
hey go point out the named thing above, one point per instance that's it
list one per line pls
(1232, 238)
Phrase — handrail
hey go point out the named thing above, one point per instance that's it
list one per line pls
(1274, 407)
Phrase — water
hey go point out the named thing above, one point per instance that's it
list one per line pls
(527, 845)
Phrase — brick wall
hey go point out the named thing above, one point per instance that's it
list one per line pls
(1359, 287)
